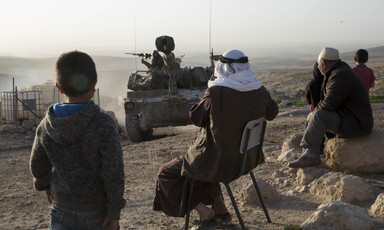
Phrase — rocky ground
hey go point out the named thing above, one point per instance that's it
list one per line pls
(21, 207)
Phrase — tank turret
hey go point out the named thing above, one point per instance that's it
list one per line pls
(164, 96)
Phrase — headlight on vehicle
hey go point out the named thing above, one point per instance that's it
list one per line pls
(129, 105)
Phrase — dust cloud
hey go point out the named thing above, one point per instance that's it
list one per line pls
(113, 73)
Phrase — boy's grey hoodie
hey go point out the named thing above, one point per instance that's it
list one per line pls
(78, 159)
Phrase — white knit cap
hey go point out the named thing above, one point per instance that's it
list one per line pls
(233, 54)
(329, 53)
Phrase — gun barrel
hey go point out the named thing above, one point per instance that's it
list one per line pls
(143, 55)
(137, 54)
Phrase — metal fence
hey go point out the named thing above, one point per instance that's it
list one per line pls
(17, 106)
(24, 105)
(31, 102)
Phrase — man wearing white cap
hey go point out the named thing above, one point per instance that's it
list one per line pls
(234, 97)
(344, 108)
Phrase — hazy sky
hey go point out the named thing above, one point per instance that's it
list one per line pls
(50, 27)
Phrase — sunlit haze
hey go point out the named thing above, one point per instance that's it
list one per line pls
(48, 28)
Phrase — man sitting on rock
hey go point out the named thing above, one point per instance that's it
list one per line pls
(344, 108)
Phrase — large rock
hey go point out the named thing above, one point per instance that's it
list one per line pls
(248, 194)
(338, 215)
(342, 187)
(363, 154)
(377, 208)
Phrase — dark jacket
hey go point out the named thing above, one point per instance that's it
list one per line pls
(79, 160)
(343, 92)
(313, 89)
(214, 155)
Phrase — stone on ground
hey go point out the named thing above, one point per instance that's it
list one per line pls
(305, 176)
(377, 208)
(248, 194)
(28, 124)
(289, 155)
(292, 142)
(338, 215)
(342, 187)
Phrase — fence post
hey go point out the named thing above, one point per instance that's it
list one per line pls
(14, 90)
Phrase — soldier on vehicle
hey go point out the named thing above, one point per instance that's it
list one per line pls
(157, 61)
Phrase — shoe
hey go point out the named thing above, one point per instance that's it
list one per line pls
(206, 225)
(304, 162)
(223, 218)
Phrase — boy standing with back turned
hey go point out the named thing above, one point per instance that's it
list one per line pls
(76, 156)
(365, 73)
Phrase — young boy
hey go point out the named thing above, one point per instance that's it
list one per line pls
(364, 72)
(76, 155)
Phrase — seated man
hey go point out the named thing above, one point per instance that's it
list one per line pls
(344, 108)
(234, 97)
(312, 96)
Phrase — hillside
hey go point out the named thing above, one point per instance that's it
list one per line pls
(291, 84)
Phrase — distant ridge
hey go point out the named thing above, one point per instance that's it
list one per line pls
(375, 52)
(43, 68)
(296, 61)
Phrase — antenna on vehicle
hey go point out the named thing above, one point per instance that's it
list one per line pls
(134, 33)
(210, 24)
(210, 34)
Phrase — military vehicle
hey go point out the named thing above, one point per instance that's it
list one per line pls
(163, 97)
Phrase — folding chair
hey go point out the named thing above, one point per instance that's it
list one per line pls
(253, 136)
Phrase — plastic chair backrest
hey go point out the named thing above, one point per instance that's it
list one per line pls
(253, 135)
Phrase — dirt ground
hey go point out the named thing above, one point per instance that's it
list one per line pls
(21, 207)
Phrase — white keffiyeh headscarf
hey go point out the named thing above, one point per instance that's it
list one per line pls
(238, 76)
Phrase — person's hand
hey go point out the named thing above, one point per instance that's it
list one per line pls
(213, 77)
(309, 116)
(111, 224)
(50, 198)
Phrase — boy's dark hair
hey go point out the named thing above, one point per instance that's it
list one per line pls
(75, 72)
(361, 56)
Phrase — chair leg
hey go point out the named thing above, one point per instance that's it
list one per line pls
(260, 197)
(189, 199)
(235, 206)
